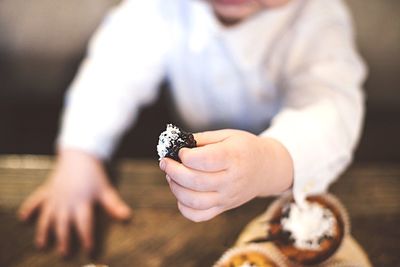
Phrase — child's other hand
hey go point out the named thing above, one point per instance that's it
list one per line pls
(66, 199)
(227, 169)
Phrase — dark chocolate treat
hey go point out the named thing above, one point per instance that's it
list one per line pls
(173, 139)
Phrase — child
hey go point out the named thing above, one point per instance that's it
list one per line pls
(284, 74)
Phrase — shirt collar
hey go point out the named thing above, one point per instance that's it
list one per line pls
(249, 41)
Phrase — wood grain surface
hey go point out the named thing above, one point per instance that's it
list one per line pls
(158, 235)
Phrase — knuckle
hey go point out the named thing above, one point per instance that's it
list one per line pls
(193, 203)
(198, 182)
(212, 158)
(183, 210)
(167, 167)
(195, 216)
(170, 167)
(201, 203)
(204, 216)
(219, 159)
(184, 198)
(223, 182)
(208, 163)
(175, 190)
(184, 156)
(206, 204)
(174, 172)
(232, 153)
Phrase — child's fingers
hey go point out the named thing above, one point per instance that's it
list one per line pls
(209, 158)
(114, 205)
(83, 221)
(62, 231)
(31, 204)
(43, 226)
(211, 137)
(198, 215)
(193, 179)
(193, 199)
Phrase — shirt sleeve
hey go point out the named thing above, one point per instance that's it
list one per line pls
(122, 71)
(322, 113)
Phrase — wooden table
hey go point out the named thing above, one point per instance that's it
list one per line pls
(159, 236)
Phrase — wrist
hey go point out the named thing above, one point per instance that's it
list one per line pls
(279, 168)
(70, 159)
(76, 168)
(66, 154)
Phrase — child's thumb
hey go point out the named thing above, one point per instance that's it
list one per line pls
(211, 137)
(114, 205)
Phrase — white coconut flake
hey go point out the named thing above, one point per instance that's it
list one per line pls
(308, 224)
(166, 140)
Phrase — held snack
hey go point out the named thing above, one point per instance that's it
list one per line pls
(173, 139)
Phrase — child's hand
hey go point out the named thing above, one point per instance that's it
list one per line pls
(67, 198)
(227, 169)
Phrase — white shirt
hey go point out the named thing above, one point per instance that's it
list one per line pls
(291, 73)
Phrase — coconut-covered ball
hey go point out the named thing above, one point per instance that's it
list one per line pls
(173, 139)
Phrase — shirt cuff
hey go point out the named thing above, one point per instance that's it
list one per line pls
(87, 145)
(314, 169)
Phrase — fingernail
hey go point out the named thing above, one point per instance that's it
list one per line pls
(168, 178)
(162, 164)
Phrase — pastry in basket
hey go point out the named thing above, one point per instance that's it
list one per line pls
(252, 255)
(307, 234)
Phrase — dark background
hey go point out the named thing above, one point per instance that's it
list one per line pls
(43, 41)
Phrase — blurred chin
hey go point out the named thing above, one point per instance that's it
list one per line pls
(234, 10)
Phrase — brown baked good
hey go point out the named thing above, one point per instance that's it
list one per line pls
(326, 245)
(253, 255)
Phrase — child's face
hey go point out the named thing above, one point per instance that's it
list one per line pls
(233, 11)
